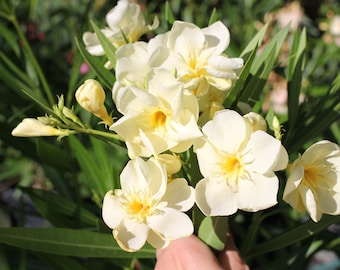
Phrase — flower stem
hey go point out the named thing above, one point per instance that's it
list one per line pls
(250, 238)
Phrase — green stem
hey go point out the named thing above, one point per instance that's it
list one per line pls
(101, 133)
(252, 233)
(32, 59)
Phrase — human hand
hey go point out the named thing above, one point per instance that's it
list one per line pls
(191, 253)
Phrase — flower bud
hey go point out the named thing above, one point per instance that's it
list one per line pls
(91, 96)
(31, 127)
(256, 120)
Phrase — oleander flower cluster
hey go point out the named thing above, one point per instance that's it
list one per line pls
(169, 92)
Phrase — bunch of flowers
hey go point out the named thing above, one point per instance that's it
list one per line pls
(190, 140)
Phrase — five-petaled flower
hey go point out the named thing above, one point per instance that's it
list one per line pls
(314, 181)
(238, 166)
(162, 117)
(147, 208)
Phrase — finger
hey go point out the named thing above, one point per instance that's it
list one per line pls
(230, 258)
(186, 254)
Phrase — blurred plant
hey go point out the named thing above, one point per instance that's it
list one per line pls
(78, 170)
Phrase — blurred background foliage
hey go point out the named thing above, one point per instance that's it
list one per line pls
(33, 170)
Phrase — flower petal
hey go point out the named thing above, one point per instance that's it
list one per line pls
(257, 193)
(228, 131)
(112, 211)
(215, 198)
(217, 36)
(291, 194)
(263, 151)
(156, 241)
(179, 195)
(171, 224)
(131, 235)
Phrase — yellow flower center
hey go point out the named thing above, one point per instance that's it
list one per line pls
(138, 206)
(232, 169)
(311, 176)
(158, 119)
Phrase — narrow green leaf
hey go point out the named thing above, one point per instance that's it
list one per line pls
(256, 41)
(275, 44)
(212, 17)
(69, 242)
(109, 49)
(235, 91)
(10, 38)
(294, 76)
(58, 209)
(39, 100)
(60, 159)
(169, 16)
(4, 265)
(97, 66)
(254, 86)
(293, 236)
(213, 231)
(13, 68)
(92, 174)
(109, 162)
(61, 262)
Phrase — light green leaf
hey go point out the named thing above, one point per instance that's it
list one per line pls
(69, 242)
(213, 231)
(255, 42)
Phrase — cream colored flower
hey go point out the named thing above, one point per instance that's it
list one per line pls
(146, 208)
(125, 24)
(196, 56)
(257, 121)
(159, 118)
(91, 96)
(314, 181)
(238, 165)
(31, 127)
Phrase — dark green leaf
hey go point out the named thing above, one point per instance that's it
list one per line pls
(97, 66)
(293, 236)
(69, 242)
(59, 210)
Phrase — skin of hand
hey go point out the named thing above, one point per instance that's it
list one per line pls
(191, 253)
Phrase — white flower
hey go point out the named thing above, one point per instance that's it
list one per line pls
(238, 165)
(196, 55)
(146, 208)
(132, 64)
(91, 96)
(314, 181)
(257, 121)
(125, 24)
(31, 127)
(162, 117)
